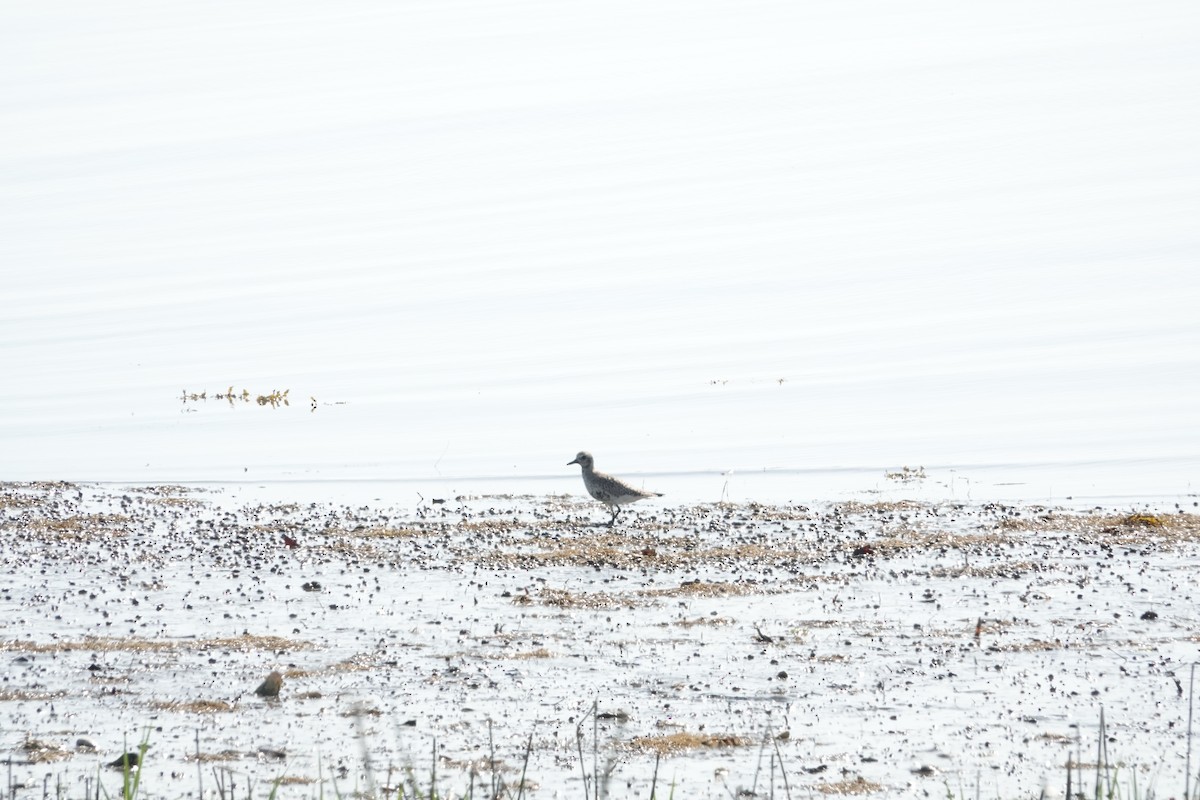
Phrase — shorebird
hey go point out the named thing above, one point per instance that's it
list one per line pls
(613, 492)
(270, 686)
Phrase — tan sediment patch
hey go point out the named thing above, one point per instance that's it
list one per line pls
(164, 489)
(1143, 520)
(591, 552)
(361, 711)
(251, 642)
(673, 743)
(505, 525)
(850, 786)
(78, 527)
(835, 658)
(480, 766)
(8, 500)
(936, 540)
(561, 598)
(1135, 528)
(39, 752)
(524, 655)
(759, 512)
(176, 502)
(205, 758)
(382, 532)
(747, 552)
(40, 486)
(360, 662)
(906, 474)
(1142, 528)
(356, 663)
(171, 496)
(101, 644)
(878, 506)
(635, 550)
(1032, 646)
(295, 780)
(1036, 519)
(692, 623)
(1007, 569)
(195, 706)
(269, 529)
(702, 589)
(369, 549)
(19, 695)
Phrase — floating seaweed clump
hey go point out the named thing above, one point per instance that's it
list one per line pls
(275, 399)
(1144, 520)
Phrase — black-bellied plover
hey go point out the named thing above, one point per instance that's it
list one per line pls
(613, 492)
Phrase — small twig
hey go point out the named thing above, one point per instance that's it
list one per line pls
(786, 788)
(579, 749)
(595, 750)
(199, 767)
(525, 766)
(1187, 777)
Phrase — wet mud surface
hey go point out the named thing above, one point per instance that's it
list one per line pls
(879, 649)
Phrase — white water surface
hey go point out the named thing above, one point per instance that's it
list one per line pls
(693, 238)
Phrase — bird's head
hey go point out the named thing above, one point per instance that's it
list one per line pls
(583, 459)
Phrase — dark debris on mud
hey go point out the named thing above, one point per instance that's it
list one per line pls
(175, 587)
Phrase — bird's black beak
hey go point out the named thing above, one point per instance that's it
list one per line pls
(576, 461)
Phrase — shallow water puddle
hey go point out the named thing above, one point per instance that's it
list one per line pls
(898, 648)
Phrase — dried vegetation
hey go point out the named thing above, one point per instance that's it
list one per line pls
(681, 742)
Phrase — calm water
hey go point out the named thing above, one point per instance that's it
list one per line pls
(480, 237)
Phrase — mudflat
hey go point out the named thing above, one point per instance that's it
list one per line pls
(515, 644)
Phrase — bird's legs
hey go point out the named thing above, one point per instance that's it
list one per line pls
(615, 510)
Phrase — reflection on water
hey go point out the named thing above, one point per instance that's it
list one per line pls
(474, 246)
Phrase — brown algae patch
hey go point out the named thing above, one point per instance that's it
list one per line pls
(682, 742)
(1144, 520)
